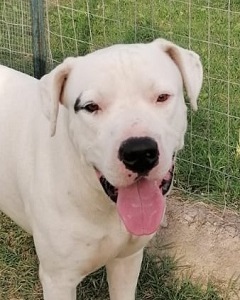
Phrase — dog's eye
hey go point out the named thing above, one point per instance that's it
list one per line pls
(163, 97)
(91, 107)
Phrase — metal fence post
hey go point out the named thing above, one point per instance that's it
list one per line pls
(38, 38)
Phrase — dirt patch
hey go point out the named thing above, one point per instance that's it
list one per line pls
(206, 240)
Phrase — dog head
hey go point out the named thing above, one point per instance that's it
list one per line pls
(127, 117)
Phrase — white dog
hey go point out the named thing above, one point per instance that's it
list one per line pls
(93, 193)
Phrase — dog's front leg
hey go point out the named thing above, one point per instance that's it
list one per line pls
(59, 285)
(122, 276)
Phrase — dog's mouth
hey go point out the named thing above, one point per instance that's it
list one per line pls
(141, 205)
(112, 191)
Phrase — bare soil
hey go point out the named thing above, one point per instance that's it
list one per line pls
(206, 241)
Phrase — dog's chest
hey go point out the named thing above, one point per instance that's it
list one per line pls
(97, 252)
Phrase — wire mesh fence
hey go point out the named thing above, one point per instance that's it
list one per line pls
(16, 35)
(209, 165)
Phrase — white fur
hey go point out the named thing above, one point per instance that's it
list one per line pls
(48, 185)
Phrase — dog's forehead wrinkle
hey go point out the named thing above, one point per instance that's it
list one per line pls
(119, 49)
(126, 58)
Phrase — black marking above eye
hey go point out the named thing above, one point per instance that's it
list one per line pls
(77, 105)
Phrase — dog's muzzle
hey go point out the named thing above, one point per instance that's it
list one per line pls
(112, 191)
(139, 154)
(141, 205)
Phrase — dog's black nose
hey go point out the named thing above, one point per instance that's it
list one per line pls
(139, 154)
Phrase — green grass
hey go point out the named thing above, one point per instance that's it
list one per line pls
(19, 279)
(157, 281)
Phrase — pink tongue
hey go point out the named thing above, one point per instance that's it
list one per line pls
(141, 207)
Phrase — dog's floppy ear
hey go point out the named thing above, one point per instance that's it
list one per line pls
(189, 65)
(51, 88)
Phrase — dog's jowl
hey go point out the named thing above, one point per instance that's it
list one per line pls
(87, 157)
